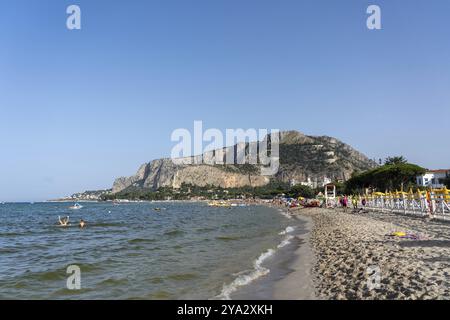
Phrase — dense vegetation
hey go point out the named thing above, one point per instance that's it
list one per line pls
(395, 160)
(395, 174)
(209, 192)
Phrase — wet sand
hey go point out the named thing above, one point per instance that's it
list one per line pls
(290, 276)
(299, 284)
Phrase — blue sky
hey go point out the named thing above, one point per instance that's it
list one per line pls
(79, 108)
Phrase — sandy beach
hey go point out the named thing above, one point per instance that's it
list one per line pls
(355, 257)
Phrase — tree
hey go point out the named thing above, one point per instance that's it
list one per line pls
(395, 160)
(446, 182)
(340, 187)
(388, 177)
(301, 191)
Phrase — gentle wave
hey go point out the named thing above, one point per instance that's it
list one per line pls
(285, 242)
(16, 285)
(84, 267)
(113, 282)
(173, 233)
(284, 213)
(156, 280)
(289, 229)
(9, 250)
(246, 278)
(229, 238)
(13, 234)
(64, 292)
(104, 224)
(205, 229)
(46, 275)
(141, 240)
(182, 276)
(59, 274)
(160, 295)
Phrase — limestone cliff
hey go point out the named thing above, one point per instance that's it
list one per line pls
(304, 159)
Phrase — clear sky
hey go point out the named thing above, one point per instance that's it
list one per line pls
(80, 108)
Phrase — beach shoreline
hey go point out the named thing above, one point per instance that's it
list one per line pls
(348, 256)
(299, 284)
(290, 266)
(317, 253)
(357, 258)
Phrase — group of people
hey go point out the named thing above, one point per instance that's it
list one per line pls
(64, 222)
(355, 200)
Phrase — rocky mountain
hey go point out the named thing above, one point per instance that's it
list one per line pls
(307, 160)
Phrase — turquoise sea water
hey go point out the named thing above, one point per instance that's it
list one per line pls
(131, 251)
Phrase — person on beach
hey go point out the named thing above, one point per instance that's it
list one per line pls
(82, 223)
(64, 222)
(355, 202)
(345, 203)
(364, 202)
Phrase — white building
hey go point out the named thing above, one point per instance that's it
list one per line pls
(313, 183)
(433, 178)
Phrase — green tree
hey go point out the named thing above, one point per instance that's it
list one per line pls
(395, 160)
(388, 177)
(301, 191)
(446, 182)
(340, 187)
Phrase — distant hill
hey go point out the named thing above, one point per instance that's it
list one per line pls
(308, 160)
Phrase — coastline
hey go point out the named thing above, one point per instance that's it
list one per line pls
(299, 284)
(346, 256)
(289, 266)
(357, 258)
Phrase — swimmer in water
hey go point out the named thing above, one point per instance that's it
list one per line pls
(82, 223)
(64, 221)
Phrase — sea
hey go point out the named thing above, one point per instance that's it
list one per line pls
(146, 250)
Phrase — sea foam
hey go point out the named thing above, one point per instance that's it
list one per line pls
(284, 213)
(247, 277)
(285, 242)
(289, 229)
